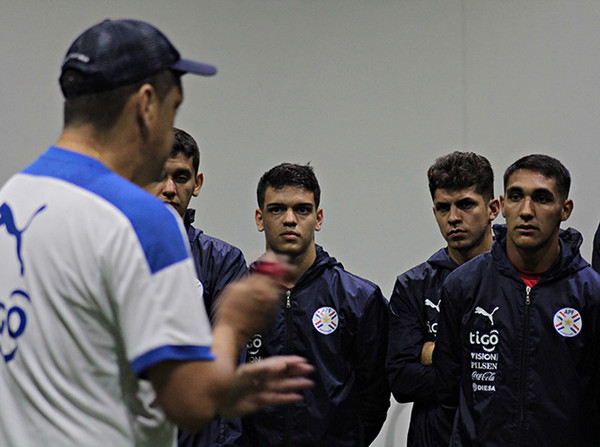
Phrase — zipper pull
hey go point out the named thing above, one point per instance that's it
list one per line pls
(527, 299)
(288, 300)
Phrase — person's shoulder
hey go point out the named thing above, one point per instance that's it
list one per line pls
(355, 285)
(113, 206)
(587, 275)
(146, 213)
(218, 245)
(471, 270)
(438, 265)
(416, 273)
(91, 179)
(586, 282)
(423, 270)
(328, 269)
(157, 226)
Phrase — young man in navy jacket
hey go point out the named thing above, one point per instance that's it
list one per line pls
(217, 262)
(336, 320)
(518, 345)
(462, 189)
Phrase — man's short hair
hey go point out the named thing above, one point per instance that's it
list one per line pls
(102, 110)
(547, 166)
(184, 143)
(289, 174)
(460, 170)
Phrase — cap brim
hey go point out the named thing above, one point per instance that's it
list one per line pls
(199, 68)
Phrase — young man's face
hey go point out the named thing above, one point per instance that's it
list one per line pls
(464, 218)
(289, 219)
(533, 210)
(178, 184)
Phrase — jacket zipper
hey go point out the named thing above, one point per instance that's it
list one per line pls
(287, 351)
(523, 365)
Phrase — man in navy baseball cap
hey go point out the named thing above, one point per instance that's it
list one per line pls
(109, 342)
(120, 62)
(119, 52)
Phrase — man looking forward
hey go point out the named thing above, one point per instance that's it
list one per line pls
(335, 319)
(518, 346)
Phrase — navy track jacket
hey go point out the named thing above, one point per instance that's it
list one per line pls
(217, 264)
(521, 365)
(339, 322)
(414, 313)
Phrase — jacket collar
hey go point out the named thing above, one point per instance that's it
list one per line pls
(569, 259)
(442, 260)
(190, 216)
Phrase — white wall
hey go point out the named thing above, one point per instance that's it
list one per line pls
(369, 91)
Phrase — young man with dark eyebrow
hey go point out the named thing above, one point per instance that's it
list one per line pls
(333, 318)
(462, 189)
(518, 346)
(217, 262)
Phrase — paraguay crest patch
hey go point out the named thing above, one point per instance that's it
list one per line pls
(325, 320)
(567, 322)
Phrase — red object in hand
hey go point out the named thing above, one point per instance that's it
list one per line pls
(274, 269)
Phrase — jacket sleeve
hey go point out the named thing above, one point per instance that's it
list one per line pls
(409, 379)
(447, 358)
(593, 311)
(374, 392)
(596, 251)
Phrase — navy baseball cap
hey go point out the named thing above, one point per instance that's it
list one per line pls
(114, 53)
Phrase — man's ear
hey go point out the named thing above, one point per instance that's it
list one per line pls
(259, 220)
(146, 103)
(319, 219)
(494, 209)
(198, 183)
(566, 210)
